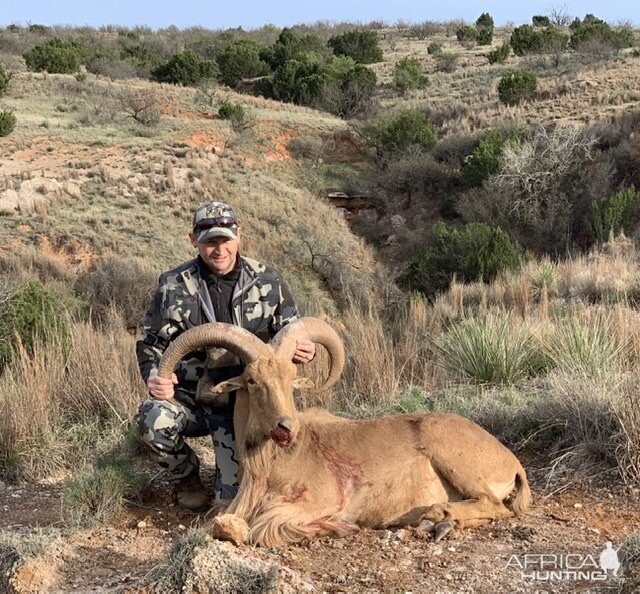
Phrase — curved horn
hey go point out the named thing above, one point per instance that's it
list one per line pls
(241, 342)
(284, 343)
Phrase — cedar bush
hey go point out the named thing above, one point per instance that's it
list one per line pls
(484, 26)
(401, 130)
(408, 74)
(29, 315)
(233, 112)
(185, 68)
(7, 122)
(474, 252)
(532, 40)
(55, 56)
(466, 33)
(499, 54)
(240, 60)
(613, 214)
(540, 21)
(517, 86)
(362, 46)
(3, 80)
(485, 160)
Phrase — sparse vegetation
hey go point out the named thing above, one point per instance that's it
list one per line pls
(96, 495)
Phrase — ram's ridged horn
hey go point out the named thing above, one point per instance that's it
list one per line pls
(241, 342)
(318, 331)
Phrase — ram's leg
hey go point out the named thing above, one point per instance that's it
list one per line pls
(468, 513)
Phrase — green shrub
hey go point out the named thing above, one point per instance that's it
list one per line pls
(484, 25)
(55, 56)
(28, 316)
(231, 111)
(488, 350)
(466, 33)
(517, 86)
(613, 214)
(499, 54)
(347, 88)
(7, 122)
(3, 80)
(473, 252)
(529, 40)
(362, 46)
(289, 46)
(540, 21)
(408, 74)
(592, 30)
(186, 68)
(485, 160)
(301, 80)
(240, 60)
(434, 48)
(401, 130)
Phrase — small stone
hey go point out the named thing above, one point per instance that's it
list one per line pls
(181, 527)
(577, 505)
(142, 524)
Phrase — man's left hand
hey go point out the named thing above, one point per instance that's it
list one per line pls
(305, 351)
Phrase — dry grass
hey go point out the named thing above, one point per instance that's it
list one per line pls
(59, 410)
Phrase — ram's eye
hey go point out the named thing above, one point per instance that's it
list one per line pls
(251, 381)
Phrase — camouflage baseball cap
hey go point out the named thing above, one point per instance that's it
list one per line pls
(214, 219)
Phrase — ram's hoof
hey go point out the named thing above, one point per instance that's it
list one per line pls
(427, 526)
(442, 529)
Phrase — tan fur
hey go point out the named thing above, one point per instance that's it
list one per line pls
(338, 474)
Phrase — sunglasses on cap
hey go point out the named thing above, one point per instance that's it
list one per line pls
(206, 224)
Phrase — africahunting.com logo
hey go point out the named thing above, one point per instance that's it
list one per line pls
(556, 567)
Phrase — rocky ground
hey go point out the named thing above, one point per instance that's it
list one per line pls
(573, 526)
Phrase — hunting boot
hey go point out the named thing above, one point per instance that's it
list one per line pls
(190, 493)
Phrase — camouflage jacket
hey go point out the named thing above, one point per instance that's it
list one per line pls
(261, 303)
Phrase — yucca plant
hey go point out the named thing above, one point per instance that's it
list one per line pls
(490, 349)
(588, 346)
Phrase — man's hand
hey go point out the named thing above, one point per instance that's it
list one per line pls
(161, 388)
(305, 351)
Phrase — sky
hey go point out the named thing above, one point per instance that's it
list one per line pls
(251, 14)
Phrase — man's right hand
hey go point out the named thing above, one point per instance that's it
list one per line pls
(161, 388)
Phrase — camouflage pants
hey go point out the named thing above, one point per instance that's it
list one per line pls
(163, 427)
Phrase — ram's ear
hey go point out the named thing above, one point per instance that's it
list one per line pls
(303, 383)
(235, 383)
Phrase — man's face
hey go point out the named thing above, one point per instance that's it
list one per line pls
(218, 253)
